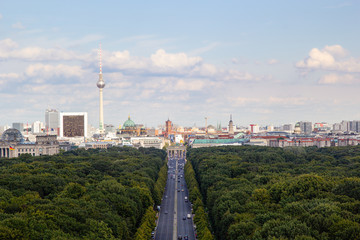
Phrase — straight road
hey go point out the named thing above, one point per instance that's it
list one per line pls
(171, 224)
(164, 229)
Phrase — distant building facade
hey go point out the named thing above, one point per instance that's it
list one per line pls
(52, 122)
(73, 124)
(18, 126)
(12, 144)
(306, 128)
(129, 128)
(168, 128)
(231, 126)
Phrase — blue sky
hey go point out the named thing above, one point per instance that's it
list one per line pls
(265, 62)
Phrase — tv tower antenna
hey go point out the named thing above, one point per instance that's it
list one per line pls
(100, 63)
(101, 84)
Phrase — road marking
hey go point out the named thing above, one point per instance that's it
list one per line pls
(175, 203)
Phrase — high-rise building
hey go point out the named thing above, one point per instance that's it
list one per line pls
(337, 126)
(101, 84)
(73, 124)
(306, 127)
(37, 127)
(355, 126)
(52, 124)
(18, 126)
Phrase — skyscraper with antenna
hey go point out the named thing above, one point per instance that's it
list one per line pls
(101, 84)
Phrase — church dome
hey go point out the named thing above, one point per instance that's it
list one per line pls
(12, 135)
(128, 123)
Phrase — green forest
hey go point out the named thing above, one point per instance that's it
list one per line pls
(280, 193)
(82, 194)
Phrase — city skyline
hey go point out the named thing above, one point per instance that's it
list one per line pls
(264, 63)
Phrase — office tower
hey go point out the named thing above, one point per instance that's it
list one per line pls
(37, 127)
(306, 127)
(52, 125)
(18, 126)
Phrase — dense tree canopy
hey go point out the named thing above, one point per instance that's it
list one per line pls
(93, 194)
(274, 193)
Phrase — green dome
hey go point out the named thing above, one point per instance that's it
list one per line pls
(128, 123)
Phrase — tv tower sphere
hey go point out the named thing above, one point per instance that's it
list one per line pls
(100, 83)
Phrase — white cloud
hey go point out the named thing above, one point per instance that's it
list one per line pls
(336, 50)
(18, 25)
(171, 65)
(124, 61)
(236, 75)
(193, 85)
(9, 75)
(9, 50)
(205, 69)
(6, 45)
(48, 71)
(272, 61)
(165, 60)
(330, 58)
(336, 78)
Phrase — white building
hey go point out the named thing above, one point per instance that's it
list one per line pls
(254, 128)
(37, 127)
(146, 142)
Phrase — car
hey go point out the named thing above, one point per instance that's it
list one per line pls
(182, 190)
(179, 237)
(178, 190)
(166, 212)
(186, 237)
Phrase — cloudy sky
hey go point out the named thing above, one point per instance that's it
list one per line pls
(265, 62)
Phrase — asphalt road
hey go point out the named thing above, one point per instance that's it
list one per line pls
(165, 228)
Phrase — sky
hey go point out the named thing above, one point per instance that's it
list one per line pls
(264, 62)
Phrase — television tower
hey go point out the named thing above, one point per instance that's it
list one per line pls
(101, 84)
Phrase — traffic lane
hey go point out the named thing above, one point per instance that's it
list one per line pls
(164, 230)
(182, 226)
(189, 223)
(165, 224)
(187, 227)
